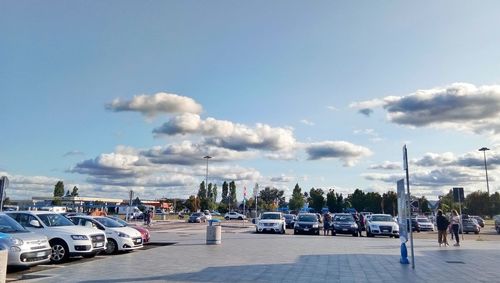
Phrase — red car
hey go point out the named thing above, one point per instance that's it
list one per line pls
(144, 232)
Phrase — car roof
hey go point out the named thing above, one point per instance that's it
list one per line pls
(35, 212)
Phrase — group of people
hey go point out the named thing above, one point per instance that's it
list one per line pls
(328, 223)
(444, 225)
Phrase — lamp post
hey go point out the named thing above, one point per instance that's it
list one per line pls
(484, 149)
(206, 176)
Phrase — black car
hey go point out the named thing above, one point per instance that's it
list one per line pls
(290, 220)
(306, 223)
(415, 227)
(344, 223)
(479, 220)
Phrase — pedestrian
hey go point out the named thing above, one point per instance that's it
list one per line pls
(361, 224)
(146, 217)
(327, 222)
(455, 226)
(442, 226)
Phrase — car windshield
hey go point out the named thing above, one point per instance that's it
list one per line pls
(308, 218)
(343, 218)
(121, 221)
(381, 218)
(289, 216)
(423, 220)
(108, 222)
(270, 216)
(54, 220)
(9, 225)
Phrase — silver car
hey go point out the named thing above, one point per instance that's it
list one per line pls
(25, 248)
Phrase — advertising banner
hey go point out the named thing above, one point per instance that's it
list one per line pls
(402, 211)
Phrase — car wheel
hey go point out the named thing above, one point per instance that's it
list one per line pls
(240, 218)
(256, 230)
(111, 247)
(227, 217)
(60, 251)
(477, 232)
(397, 237)
(295, 232)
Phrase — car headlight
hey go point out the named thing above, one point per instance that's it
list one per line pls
(123, 235)
(16, 242)
(374, 227)
(315, 226)
(355, 226)
(79, 237)
(295, 225)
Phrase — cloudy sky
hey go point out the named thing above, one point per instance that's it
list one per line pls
(112, 96)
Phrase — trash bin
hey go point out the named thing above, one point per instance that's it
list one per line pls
(214, 232)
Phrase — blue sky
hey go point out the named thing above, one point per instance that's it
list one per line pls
(118, 95)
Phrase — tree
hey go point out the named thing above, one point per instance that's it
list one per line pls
(390, 203)
(202, 196)
(423, 204)
(357, 199)
(331, 201)
(271, 198)
(232, 194)
(225, 193)
(297, 201)
(74, 193)
(316, 199)
(192, 203)
(67, 194)
(477, 203)
(58, 193)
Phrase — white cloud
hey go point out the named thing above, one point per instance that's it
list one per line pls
(347, 152)
(159, 103)
(388, 165)
(459, 106)
(332, 108)
(307, 122)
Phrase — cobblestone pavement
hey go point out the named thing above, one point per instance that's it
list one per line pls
(249, 257)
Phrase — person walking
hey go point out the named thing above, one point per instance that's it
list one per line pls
(442, 226)
(455, 226)
(361, 224)
(327, 222)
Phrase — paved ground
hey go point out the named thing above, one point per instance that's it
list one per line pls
(248, 257)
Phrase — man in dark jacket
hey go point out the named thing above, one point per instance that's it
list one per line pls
(442, 226)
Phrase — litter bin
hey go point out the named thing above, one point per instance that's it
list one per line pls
(214, 232)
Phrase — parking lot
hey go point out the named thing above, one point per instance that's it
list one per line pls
(178, 253)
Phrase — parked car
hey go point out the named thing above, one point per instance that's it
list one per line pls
(271, 222)
(470, 225)
(344, 223)
(197, 217)
(120, 237)
(290, 220)
(25, 248)
(306, 223)
(208, 216)
(65, 238)
(425, 224)
(497, 223)
(383, 225)
(415, 226)
(479, 220)
(146, 236)
(234, 215)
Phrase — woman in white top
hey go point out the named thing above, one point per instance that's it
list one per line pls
(455, 225)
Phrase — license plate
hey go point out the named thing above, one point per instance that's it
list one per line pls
(138, 241)
(385, 230)
(306, 229)
(344, 229)
(98, 245)
(40, 254)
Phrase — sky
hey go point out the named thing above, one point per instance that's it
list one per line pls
(113, 96)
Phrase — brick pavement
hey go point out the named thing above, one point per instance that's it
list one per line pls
(248, 257)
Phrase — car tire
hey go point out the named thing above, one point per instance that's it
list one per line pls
(240, 218)
(295, 232)
(227, 217)
(60, 251)
(397, 237)
(111, 247)
(477, 232)
(257, 231)
(369, 234)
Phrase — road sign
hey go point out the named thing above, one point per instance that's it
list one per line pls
(458, 194)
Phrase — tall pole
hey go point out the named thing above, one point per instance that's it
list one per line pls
(206, 176)
(484, 149)
(405, 163)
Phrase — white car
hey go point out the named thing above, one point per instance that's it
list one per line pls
(25, 248)
(425, 224)
(271, 222)
(208, 216)
(120, 237)
(383, 225)
(234, 215)
(65, 238)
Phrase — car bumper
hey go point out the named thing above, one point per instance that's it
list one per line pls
(28, 258)
(306, 230)
(275, 229)
(127, 244)
(342, 230)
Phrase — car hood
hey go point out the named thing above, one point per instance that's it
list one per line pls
(344, 222)
(28, 237)
(270, 221)
(127, 230)
(307, 222)
(73, 230)
(383, 223)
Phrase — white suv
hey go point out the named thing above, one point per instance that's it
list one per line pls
(65, 238)
(272, 222)
(120, 237)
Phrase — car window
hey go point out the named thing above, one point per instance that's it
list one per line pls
(343, 218)
(108, 222)
(308, 218)
(270, 216)
(23, 219)
(9, 225)
(54, 220)
(381, 218)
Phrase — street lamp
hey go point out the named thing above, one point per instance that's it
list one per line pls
(484, 149)
(206, 176)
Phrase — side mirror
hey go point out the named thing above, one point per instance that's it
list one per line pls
(35, 223)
